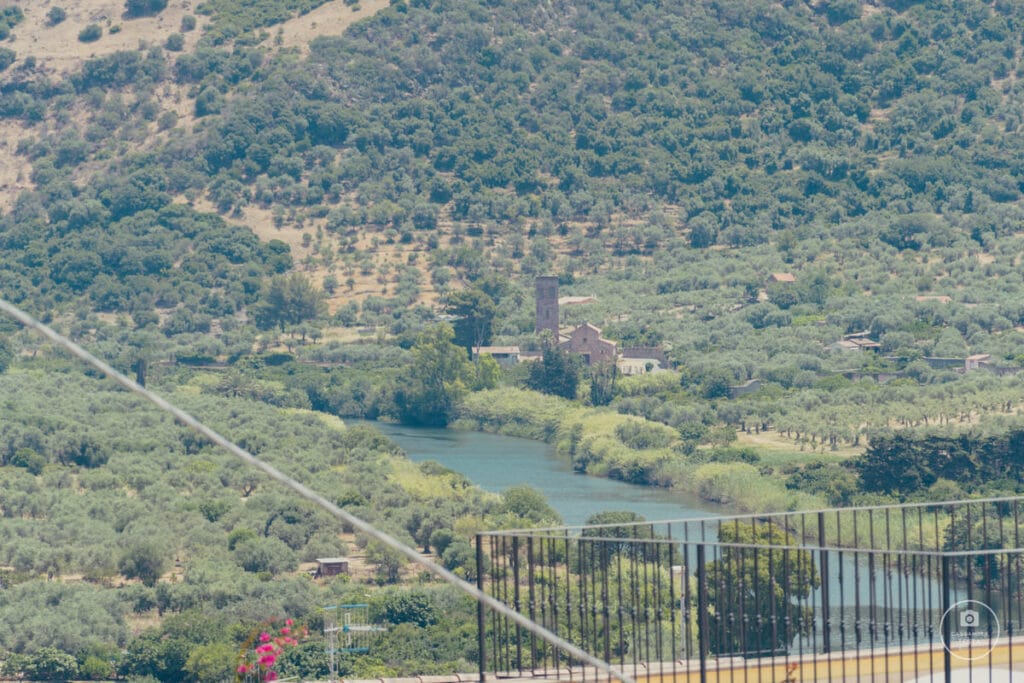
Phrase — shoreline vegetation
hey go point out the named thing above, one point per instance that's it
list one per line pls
(895, 468)
(602, 442)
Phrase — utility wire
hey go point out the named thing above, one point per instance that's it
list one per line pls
(310, 495)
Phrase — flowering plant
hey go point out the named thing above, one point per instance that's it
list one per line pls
(262, 652)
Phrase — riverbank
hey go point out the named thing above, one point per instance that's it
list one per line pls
(601, 442)
(496, 463)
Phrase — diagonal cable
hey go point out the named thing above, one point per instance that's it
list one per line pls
(310, 495)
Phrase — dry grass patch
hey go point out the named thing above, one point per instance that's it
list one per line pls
(772, 443)
(327, 20)
(59, 52)
(309, 241)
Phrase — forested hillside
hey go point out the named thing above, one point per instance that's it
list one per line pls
(215, 193)
(558, 136)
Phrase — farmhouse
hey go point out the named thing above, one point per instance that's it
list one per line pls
(505, 355)
(330, 566)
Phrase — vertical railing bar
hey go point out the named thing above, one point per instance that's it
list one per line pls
(888, 596)
(990, 560)
(604, 616)
(887, 592)
(481, 637)
(581, 589)
(1009, 591)
(643, 587)
(544, 599)
(774, 612)
(661, 594)
(556, 655)
(725, 595)
(619, 607)
(968, 544)
(500, 622)
(686, 600)
(906, 579)
(745, 636)
(702, 614)
(650, 601)
(586, 559)
(597, 605)
(857, 630)
(588, 610)
(722, 600)
(642, 591)
(1017, 562)
(495, 575)
(900, 609)
(540, 603)
(808, 636)
(841, 574)
(937, 562)
(517, 602)
(497, 588)
(531, 600)
(568, 596)
(672, 600)
(947, 631)
(1004, 574)
(550, 591)
(872, 587)
(917, 592)
(506, 589)
(824, 602)
(788, 620)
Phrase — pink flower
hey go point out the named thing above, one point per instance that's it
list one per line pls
(271, 645)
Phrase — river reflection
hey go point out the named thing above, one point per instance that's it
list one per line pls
(495, 463)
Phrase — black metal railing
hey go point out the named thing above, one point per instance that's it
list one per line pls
(910, 591)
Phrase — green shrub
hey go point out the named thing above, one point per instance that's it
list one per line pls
(56, 15)
(640, 435)
(144, 8)
(167, 120)
(175, 42)
(51, 664)
(91, 33)
(9, 17)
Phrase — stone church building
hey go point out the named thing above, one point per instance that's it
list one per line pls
(586, 339)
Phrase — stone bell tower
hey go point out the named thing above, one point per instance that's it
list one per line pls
(546, 293)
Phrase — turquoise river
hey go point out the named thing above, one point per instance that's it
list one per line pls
(494, 463)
